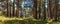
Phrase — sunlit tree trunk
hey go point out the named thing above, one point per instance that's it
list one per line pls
(17, 11)
(18, 8)
(9, 9)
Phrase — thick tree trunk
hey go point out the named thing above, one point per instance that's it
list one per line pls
(52, 10)
(17, 11)
(14, 8)
(49, 9)
(40, 9)
(35, 9)
(44, 17)
(18, 8)
(55, 10)
(7, 8)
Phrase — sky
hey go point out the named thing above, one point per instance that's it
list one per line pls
(59, 1)
(27, 3)
(31, 3)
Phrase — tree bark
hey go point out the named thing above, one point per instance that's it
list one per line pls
(52, 10)
(49, 9)
(44, 17)
(35, 9)
(40, 9)
(55, 10)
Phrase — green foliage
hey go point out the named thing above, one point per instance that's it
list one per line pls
(26, 21)
(38, 21)
(29, 21)
(9, 22)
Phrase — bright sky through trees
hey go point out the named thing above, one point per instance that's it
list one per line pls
(59, 1)
(27, 2)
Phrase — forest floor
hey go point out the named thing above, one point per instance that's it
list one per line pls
(2, 18)
(13, 18)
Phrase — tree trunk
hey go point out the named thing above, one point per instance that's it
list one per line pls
(17, 11)
(49, 9)
(40, 9)
(7, 8)
(44, 17)
(35, 9)
(52, 10)
(55, 10)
